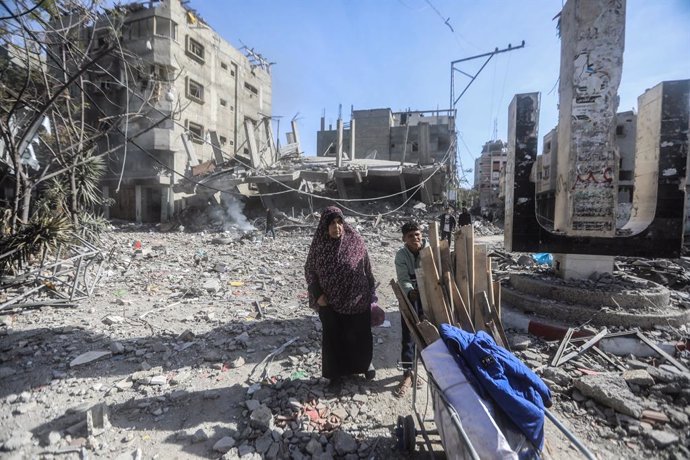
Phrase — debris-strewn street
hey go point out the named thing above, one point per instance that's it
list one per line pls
(201, 345)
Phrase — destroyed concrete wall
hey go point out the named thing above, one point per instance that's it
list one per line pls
(179, 61)
(592, 43)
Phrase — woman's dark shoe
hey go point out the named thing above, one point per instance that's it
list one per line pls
(335, 385)
(370, 374)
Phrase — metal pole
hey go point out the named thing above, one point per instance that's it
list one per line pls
(585, 452)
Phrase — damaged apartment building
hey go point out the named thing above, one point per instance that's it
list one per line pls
(380, 152)
(192, 102)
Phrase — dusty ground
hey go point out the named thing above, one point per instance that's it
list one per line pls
(187, 351)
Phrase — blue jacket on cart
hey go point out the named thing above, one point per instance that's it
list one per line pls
(497, 373)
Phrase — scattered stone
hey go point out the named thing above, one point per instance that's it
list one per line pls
(313, 447)
(261, 418)
(638, 377)
(252, 404)
(186, 336)
(97, 420)
(239, 362)
(344, 443)
(519, 342)
(263, 443)
(557, 375)
(88, 357)
(117, 348)
(158, 380)
(211, 285)
(113, 319)
(662, 439)
(611, 391)
(53, 438)
(224, 444)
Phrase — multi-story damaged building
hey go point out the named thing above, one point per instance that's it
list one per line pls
(544, 170)
(191, 102)
(487, 175)
(409, 150)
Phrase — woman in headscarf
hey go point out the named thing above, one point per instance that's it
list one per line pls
(342, 289)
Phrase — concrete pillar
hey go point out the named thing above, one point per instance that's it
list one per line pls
(106, 197)
(138, 205)
(271, 143)
(523, 128)
(295, 132)
(352, 139)
(339, 144)
(423, 141)
(251, 143)
(167, 203)
(592, 43)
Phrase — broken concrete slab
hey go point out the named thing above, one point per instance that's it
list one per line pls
(88, 357)
(611, 391)
(638, 377)
(224, 444)
(662, 439)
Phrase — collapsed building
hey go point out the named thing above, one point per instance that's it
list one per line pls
(186, 101)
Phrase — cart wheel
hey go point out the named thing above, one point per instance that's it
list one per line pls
(409, 434)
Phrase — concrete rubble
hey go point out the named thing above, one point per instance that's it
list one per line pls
(182, 360)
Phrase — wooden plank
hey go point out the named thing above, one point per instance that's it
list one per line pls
(434, 242)
(444, 249)
(423, 295)
(497, 297)
(490, 283)
(582, 348)
(484, 308)
(460, 310)
(433, 288)
(428, 332)
(562, 346)
(480, 284)
(661, 352)
(461, 269)
(469, 247)
(407, 314)
(498, 326)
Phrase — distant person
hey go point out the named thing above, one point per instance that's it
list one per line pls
(447, 224)
(406, 261)
(464, 218)
(270, 221)
(342, 290)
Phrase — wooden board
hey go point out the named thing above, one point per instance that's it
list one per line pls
(480, 285)
(434, 291)
(469, 247)
(406, 311)
(434, 242)
(489, 325)
(497, 297)
(428, 332)
(423, 295)
(461, 313)
(461, 268)
(444, 249)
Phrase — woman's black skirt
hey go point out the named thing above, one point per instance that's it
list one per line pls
(346, 343)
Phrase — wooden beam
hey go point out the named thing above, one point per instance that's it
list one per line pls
(434, 242)
(460, 309)
(423, 295)
(480, 284)
(407, 314)
(461, 268)
(497, 297)
(434, 290)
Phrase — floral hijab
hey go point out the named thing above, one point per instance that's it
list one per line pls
(340, 267)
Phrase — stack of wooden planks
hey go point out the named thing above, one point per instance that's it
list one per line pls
(455, 287)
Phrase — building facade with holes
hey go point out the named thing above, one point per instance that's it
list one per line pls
(193, 101)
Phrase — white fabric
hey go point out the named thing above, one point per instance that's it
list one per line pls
(486, 438)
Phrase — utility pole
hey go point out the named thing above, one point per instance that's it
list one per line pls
(454, 68)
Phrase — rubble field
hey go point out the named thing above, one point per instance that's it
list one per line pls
(201, 345)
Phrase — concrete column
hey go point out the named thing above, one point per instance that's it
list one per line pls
(339, 144)
(423, 141)
(352, 139)
(167, 203)
(138, 205)
(342, 191)
(592, 43)
(251, 143)
(271, 143)
(295, 132)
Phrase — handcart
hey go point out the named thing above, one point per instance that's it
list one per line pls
(469, 426)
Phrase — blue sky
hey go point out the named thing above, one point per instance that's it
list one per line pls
(397, 54)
